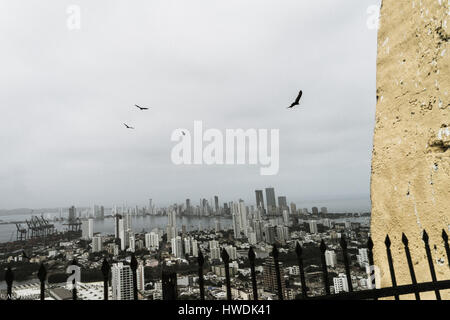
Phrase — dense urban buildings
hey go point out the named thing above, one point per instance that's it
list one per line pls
(183, 230)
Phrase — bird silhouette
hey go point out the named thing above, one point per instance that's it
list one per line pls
(140, 108)
(297, 101)
(184, 133)
(127, 126)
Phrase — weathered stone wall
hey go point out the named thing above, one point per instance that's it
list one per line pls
(410, 186)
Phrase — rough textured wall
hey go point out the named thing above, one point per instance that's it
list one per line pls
(410, 186)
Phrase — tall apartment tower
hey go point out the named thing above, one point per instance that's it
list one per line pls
(122, 282)
(271, 202)
(260, 200)
(270, 277)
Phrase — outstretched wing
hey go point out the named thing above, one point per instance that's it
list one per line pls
(299, 97)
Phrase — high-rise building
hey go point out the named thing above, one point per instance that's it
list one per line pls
(122, 282)
(315, 210)
(270, 277)
(132, 243)
(282, 203)
(313, 226)
(140, 277)
(362, 257)
(216, 204)
(187, 246)
(152, 241)
(217, 226)
(177, 247)
(340, 283)
(87, 229)
(72, 214)
(97, 244)
(232, 253)
(293, 208)
(260, 200)
(188, 207)
(323, 210)
(271, 202)
(194, 246)
(330, 258)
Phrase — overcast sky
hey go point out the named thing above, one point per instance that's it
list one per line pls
(64, 95)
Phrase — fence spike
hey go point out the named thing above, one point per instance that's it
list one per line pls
(42, 276)
(251, 258)
(405, 239)
(9, 279)
(370, 244)
(387, 242)
(447, 248)
(251, 255)
(425, 239)
(346, 263)
(201, 261)
(410, 265)
(323, 248)
(226, 261)
(105, 271)
(133, 266)
(371, 263)
(299, 252)
(275, 255)
(343, 242)
(74, 289)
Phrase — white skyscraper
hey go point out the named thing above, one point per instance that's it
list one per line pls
(122, 282)
(152, 241)
(140, 277)
(340, 283)
(87, 229)
(177, 247)
(194, 246)
(132, 244)
(97, 244)
(330, 258)
(187, 246)
(313, 226)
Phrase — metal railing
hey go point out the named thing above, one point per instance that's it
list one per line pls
(169, 279)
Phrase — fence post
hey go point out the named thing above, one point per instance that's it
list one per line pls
(387, 243)
(447, 248)
(105, 271)
(251, 258)
(425, 239)
(74, 282)
(277, 271)
(323, 248)
(169, 285)
(226, 262)
(371, 263)
(201, 261)
(410, 265)
(9, 278)
(42, 275)
(133, 266)
(346, 263)
(299, 252)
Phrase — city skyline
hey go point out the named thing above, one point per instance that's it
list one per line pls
(65, 105)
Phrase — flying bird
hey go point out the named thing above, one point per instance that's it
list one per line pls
(184, 133)
(140, 108)
(127, 126)
(297, 101)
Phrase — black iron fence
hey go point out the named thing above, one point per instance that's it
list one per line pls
(169, 279)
